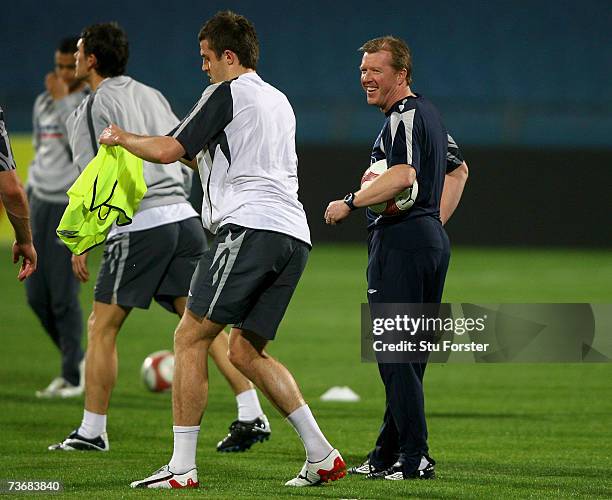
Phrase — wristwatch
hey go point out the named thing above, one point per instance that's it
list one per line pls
(348, 199)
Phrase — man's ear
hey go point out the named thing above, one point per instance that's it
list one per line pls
(230, 57)
(92, 61)
(401, 76)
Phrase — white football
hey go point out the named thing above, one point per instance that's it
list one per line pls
(402, 201)
(157, 371)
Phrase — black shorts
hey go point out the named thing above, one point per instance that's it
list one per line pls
(247, 278)
(155, 263)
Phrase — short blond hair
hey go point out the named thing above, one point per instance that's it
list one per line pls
(400, 52)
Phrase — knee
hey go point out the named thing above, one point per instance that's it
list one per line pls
(239, 354)
(100, 330)
(237, 358)
(38, 306)
(186, 338)
(181, 339)
(59, 309)
(62, 304)
(91, 323)
(195, 333)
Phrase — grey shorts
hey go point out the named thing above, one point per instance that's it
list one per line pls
(247, 278)
(155, 263)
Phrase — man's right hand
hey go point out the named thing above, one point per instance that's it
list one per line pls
(111, 135)
(56, 86)
(79, 267)
(28, 265)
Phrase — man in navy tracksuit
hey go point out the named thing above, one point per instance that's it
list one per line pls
(53, 292)
(408, 253)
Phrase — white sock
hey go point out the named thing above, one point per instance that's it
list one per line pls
(304, 423)
(92, 425)
(248, 406)
(185, 444)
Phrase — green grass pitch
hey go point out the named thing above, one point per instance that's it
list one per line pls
(496, 430)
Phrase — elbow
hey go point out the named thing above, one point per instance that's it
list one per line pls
(406, 179)
(463, 172)
(15, 202)
(170, 151)
(12, 192)
(166, 157)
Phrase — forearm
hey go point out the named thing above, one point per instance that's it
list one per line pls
(21, 225)
(454, 184)
(390, 183)
(17, 210)
(156, 149)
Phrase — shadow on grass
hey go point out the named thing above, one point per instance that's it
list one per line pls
(133, 401)
(485, 416)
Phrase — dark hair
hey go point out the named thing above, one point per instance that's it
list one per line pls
(230, 31)
(400, 53)
(109, 43)
(68, 45)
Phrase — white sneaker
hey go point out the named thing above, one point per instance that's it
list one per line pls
(330, 468)
(71, 391)
(60, 388)
(165, 478)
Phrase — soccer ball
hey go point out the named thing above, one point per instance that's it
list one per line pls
(402, 201)
(157, 371)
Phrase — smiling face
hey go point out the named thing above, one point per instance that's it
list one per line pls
(384, 85)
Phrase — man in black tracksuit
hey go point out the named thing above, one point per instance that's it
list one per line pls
(409, 252)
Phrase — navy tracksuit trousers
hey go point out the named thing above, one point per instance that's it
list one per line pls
(407, 263)
(53, 290)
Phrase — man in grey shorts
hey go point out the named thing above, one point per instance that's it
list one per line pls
(153, 257)
(242, 132)
(53, 292)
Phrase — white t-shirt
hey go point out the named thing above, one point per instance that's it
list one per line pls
(155, 217)
(243, 135)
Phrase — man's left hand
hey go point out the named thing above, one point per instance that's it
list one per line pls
(79, 267)
(336, 212)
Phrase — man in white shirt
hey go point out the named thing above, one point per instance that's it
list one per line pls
(242, 132)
